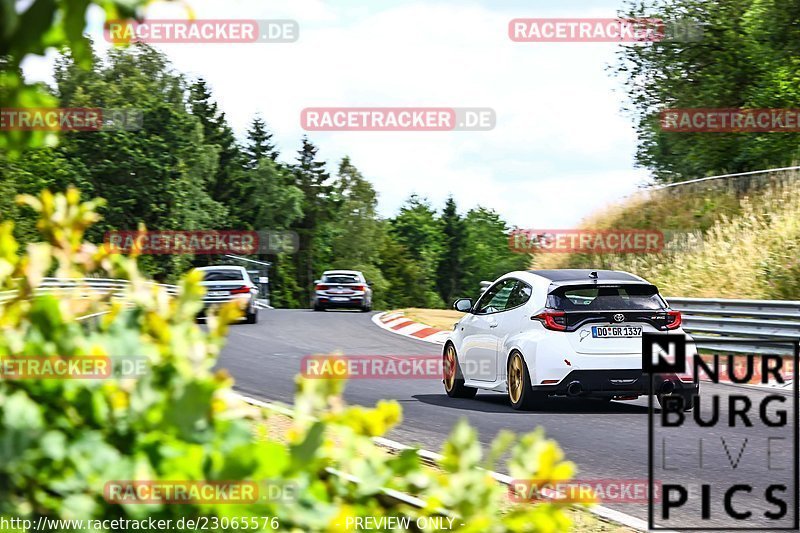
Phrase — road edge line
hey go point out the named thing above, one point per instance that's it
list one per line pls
(433, 457)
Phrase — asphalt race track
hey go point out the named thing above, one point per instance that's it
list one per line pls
(607, 441)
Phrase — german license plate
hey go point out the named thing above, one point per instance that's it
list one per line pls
(339, 299)
(616, 332)
(218, 293)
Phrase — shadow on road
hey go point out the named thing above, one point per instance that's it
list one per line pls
(498, 403)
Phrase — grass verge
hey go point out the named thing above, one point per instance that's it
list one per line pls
(436, 318)
(724, 240)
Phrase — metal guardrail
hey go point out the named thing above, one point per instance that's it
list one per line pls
(710, 321)
(713, 321)
(723, 176)
(85, 288)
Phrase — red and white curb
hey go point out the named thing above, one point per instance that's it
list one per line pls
(399, 324)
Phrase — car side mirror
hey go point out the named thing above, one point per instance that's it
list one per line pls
(463, 305)
(316, 281)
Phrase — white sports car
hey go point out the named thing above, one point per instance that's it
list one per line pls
(568, 332)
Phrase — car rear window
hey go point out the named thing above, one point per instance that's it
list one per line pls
(606, 298)
(222, 275)
(340, 278)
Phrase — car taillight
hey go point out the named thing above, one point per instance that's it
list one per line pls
(555, 320)
(676, 319)
(321, 288)
(240, 290)
(359, 288)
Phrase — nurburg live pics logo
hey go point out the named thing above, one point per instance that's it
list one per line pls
(752, 485)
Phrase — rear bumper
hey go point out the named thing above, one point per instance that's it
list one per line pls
(345, 302)
(246, 304)
(611, 383)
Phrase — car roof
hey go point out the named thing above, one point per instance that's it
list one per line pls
(579, 275)
(341, 272)
(220, 267)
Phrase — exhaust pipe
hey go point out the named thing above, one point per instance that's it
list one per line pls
(574, 388)
(667, 388)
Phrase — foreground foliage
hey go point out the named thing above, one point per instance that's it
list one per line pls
(62, 440)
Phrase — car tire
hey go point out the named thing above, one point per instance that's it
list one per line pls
(318, 308)
(252, 318)
(366, 309)
(520, 392)
(453, 379)
(688, 400)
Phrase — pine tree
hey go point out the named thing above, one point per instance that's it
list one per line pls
(312, 179)
(259, 143)
(450, 269)
(228, 184)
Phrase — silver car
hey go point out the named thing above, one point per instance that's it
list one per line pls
(343, 289)
(226, 283)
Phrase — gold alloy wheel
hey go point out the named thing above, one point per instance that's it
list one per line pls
(449, 367)
(515, 378)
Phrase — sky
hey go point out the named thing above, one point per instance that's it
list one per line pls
(561, 148)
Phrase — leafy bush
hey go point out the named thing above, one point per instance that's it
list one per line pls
(62, 440)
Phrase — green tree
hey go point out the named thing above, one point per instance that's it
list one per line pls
(350, 238)
(30, 173)
(487, 254)
(259, 143)
(405, 279)
(312, 179)
(746, 58)
(450, 269)
(418, 230)
(32, 28)
(275, 203)
(228, 185)
(157, 175)
(355, 225)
